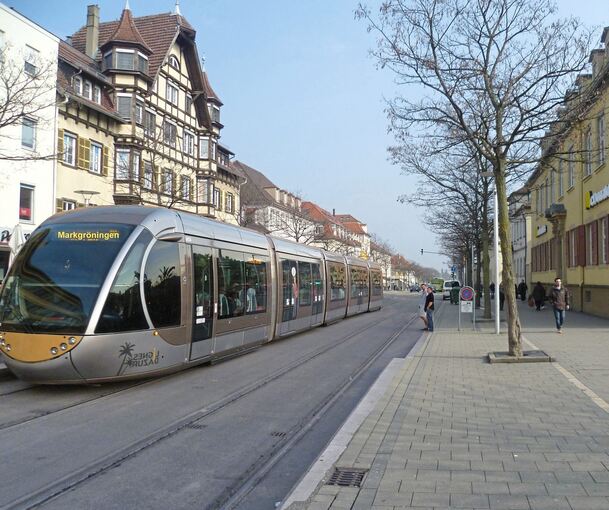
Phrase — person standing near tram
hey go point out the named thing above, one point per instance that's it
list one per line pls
(423, 298)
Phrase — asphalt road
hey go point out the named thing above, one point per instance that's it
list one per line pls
(239, 434)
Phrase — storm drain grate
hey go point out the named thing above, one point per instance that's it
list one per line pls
(347, 477)
(196, 426)
(278, 434)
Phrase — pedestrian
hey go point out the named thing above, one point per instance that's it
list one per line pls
(559, 297)
(422, 314)
(501, 296)
(492, 289)
(429, 302)
(539, 295)
(522, 290)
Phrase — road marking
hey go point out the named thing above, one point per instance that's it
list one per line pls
(575, 381)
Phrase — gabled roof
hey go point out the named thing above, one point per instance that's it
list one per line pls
(209, 91)
(127, 32)
(252, 192)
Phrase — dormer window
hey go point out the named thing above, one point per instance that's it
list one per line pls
(78, 85)
(214, 111)
(97, 94)
(126, 60)
(173, 62)
(86, 89)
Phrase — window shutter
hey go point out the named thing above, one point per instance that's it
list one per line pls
(58, 204)
(581, 245)
(87, 154)
(81, 153)
(174, 185)
(106, 160)
(155, 178)
(607, 239)
(60, 144)
(567, 253)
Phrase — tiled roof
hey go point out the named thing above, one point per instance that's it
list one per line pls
(127, 32)
(252, 192)
(209, 91)
(158, 31)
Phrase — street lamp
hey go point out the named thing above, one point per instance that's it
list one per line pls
(496, 249)
(86, 195)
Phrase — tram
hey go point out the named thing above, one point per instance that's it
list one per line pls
(120, 292)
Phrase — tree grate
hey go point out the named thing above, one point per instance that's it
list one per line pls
(347, 477)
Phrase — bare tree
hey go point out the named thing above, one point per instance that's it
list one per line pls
(494, 73)
(27, 94)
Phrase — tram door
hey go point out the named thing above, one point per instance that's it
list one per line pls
(203, 302)
(289, 308)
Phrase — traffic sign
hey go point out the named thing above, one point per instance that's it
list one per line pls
(466, 294)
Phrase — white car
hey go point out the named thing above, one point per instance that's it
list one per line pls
(447, 287)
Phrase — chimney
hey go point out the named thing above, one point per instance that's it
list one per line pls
(92, 42)
(333, 212)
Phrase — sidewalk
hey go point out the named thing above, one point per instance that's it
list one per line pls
(453, 431)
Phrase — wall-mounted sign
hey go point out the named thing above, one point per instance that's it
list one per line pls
(593, 199)
(541, 230)
(5, 235)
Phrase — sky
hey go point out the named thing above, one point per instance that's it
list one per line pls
(303, 100)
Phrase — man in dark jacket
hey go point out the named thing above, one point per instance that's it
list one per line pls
(522, 290)
(539, 295)
(429, 300)
(559, 297)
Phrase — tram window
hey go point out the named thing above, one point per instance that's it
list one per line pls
(365, 282)
(377, 283)
(337, 281)
(123, 308)
(230, 284)
(304, 275)
(256, 284)
(162, 284)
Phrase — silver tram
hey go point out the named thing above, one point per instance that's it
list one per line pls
(113, 293)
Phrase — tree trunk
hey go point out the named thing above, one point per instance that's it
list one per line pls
(513, 320)
(486, 262)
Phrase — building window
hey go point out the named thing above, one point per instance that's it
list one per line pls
(600, 143)
(170, 133)
(31, 59)
(28, 133)
(136, 166)
(230, 203)
(142, 63)
(167, 181)
(571, 168)
(591, 238)
(204, 147)
(188, 103)
(124, 59)
(68, 205)
(551, 188)
(148, 175)
(204, 191)
(86, 89)
(124, 107)
(588, 153)
(173, 62)
(547, 195)
(26, 202)
(149, 123)
(217, 199)
(189, 143)
(185, 188)
(69, 149)
(561, 190)
(215, 113)
(95, 161)
(172, 93)
(139, 113)
(108, 60)
(122, 164)
(78, 85)
(97, 94)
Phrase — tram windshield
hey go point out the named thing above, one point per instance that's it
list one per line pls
(55, 279)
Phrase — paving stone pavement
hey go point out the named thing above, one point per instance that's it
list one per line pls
(453, 431)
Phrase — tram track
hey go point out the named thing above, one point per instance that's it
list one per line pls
(101, 465)
(138, 384)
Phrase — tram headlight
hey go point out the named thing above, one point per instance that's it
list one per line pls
(63, 347)
(8, 347)
(2, 341)
(72, 340)
(54, 351)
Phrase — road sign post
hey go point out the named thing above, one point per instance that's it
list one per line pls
(466, 303)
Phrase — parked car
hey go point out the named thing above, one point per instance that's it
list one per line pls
(415, 288)
(447, 287)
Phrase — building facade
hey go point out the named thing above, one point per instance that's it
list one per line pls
(139, 121)
(28, 69)
(570, 192)
(520, 222)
